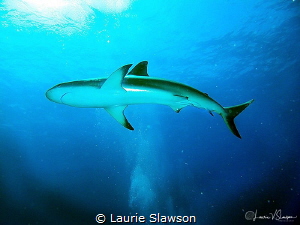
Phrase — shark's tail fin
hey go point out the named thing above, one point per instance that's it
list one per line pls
(231, 113)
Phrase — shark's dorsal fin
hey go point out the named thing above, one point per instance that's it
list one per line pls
(114, 81)
(140, 69)
(117, 112)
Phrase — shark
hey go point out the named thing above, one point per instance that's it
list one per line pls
(123, 88)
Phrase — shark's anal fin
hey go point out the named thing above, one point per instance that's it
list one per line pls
(114, 81)
(140, 69)
(117, 112)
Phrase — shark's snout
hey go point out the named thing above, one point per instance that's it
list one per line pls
(56, 94)
(49, 94)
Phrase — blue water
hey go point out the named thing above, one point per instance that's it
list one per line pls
(64, 165)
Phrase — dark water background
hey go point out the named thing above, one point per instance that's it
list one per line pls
(64, 165)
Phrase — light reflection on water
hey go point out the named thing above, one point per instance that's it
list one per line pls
(63, 16)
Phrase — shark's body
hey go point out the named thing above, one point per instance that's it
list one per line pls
(120, 89)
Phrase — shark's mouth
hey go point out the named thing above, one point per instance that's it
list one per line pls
(61, 98)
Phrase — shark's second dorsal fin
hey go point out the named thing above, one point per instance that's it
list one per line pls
(140, 69)
(114, 81)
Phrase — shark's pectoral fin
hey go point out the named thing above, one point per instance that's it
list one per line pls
(117, 112)
(140, 69)
(114, 81)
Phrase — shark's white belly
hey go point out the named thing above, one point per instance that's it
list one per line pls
(90, 97)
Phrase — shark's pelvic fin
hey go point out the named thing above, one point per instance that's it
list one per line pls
(140, 69)
(231, 113)
(181, 102)
(114, 81)
(177, 107)
(117, 112)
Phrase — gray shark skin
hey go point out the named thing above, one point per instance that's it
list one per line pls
(121, 89)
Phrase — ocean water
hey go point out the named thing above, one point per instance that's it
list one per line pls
(65, 165)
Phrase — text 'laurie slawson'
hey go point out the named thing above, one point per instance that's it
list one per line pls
(153, 218)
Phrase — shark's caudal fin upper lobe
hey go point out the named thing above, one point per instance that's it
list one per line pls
(231, 113)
